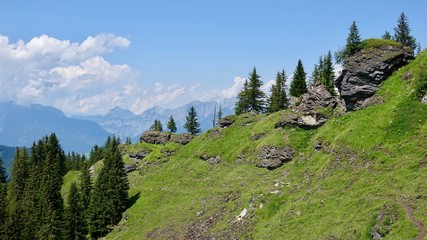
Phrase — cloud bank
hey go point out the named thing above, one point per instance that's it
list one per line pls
(76, 77)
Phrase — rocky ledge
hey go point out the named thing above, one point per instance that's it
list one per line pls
(155, 137)
(364, 71)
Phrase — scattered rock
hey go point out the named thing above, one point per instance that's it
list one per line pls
(168, 152)
(155, 137)
(407, 75)
(364, 71)
(226, 122)
(183, 138)
(274, 157)
(130, 167)
(242, 215)
(310, 120)
(318, 146)
(258, 136)
(211, 160)
(138, 156)
(316, 97)
(388, 215)
(424, 99)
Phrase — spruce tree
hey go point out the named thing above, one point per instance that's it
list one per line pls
(15, 223)
(387, 35)
(171, 125)
(327, 74)
(85, 187)
(298, 84)
(3, 175)
(256, 96)
(3, 200)
(74, 215)
(353, 44)
(110, 193)
(242, 104)
(192, 124)
(219, 115)
(402, 32)
(157, 126)
(278, 99)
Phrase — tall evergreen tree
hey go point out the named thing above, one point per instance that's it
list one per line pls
(74, 215)
(242, 104)
(327, 73)
(192, 124)
(15, 223)
(278, 99)
(353, 44)
(256, 96)
(171, 125)
(3, 201)
(157, 126)
(214, 117)
(219, 115)
(402, 32)
(3, 175)
(85, 188)
(110, 193)
(298, 84)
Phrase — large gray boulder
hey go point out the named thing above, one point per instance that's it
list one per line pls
(155, 137)
(316, 97)
(311, 120)
(274, 157)
(364, 71)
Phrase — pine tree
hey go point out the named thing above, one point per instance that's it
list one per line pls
(3, 200)
(85, 188)
(327, 73)
(219, 115)
(402, 32)
(15, 223)
(242, 104)
(74, 215)
(256, 96)
(387, 35)
(171, 125)
(353, 44)
(278, 99)
(110, 193)
(157, 126)
(298, 84)
(192, 125)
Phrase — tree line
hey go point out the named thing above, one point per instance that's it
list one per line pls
(31, 204)
(252, 98)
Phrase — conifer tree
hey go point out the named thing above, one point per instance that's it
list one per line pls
(3, 175)
(387, 35)
(85, 187)
(74, 215)
(3, 201)
(214, 117)
(171, 125)
(256, 96)
(402, 32)
(353, 44)
(242, 104)
(219, 115)
(278, 99)
(15, 223)
(327, 73)
(157, 126)
(298, 84)
(110, 193)
(192, 124)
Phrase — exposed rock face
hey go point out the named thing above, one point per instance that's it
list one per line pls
(130, 167)
(308, 121)
(316, 97)
(155, 137)
(183, 138)
(365, 70)
(138, 156)
(226, 122)
(211, 160)
(274, 157)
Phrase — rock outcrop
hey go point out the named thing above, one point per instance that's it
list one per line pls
(226, 122)
(311, 120)
(156, 137)
(274, 157)
(364, 71)
(316, 97)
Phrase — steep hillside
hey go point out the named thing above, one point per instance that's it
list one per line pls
(359, 176)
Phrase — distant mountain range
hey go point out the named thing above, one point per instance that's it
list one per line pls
(124, 123)
(22, 125)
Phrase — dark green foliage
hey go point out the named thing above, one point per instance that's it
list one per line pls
(74, 215)
(242, 104)
(74, 161)
(327, 73)
(298, 84)
(128, 140)
(353, 45)
(171, 125)
(85, 187)
(3, 201)
(402, 32)
(110, 192)
(192, 125)
(278, 99)
(251, 98)
(96, 154)
(157, 126)
(387, 36)
(3, 175)
(219, 115)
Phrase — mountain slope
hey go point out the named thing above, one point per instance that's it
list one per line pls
(21, 125)
(368, 179)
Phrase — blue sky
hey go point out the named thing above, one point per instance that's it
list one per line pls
(86, 57)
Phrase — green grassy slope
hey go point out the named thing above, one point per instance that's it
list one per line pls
(374, 162)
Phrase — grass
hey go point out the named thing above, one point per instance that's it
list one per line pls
(371, 158)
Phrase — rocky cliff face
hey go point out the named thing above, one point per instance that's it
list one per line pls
(364, 71)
